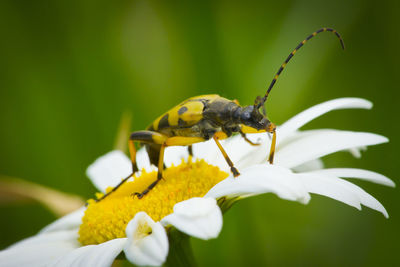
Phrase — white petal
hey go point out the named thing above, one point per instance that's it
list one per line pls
(340, 190)
(143, 161)
(100, 255)
(209, 152)
(65, 235)
(312, 165)
(147, 241)
(356, 151)
(244, 155)
(329, 187)
(69, 221)
(259, 179)
(358, 174)
(103, 254)
(175, 154)
(310, 145)
(307, 115)
(109, 170)
(205, 150)
(198, 217)
(40, 250)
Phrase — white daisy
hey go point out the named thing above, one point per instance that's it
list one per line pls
(194, 192)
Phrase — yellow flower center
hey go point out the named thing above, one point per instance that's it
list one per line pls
(107, 219)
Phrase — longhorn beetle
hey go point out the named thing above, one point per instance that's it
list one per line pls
(201, 118)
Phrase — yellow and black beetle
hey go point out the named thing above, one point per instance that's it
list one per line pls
(201, 118)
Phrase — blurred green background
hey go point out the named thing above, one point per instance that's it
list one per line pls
(69, 69)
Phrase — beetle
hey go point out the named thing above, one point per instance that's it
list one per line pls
(201, 118)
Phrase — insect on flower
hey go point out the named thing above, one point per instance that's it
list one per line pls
(201, 118)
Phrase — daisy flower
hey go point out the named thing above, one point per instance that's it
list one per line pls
(195, 192)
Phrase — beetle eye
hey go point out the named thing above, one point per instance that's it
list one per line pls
(246, 115)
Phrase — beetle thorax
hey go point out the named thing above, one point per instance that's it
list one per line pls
(221, 112)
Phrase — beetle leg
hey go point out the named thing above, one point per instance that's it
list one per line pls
(228, 160)
(116, 187)
(273, 144)
(247, 139)
(140, 136)
(183, 140)
(271, 128)
(248, 129)
(132, 153)
(172, 141)
(190, 150)
(159, 173)
(154, 141)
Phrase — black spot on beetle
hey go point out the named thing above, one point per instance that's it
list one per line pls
(182, 110)
(181, 122)
(163, 122)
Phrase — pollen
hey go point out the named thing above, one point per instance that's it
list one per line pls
(107, 219)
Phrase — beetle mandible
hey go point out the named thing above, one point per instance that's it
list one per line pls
(201, 118)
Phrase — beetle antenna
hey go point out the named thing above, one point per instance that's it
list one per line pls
(260, 103)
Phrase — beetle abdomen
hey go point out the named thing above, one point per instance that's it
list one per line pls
(183, 116)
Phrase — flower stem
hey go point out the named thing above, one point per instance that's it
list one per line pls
(180, 250)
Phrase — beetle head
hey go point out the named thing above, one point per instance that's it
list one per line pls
(251, 116)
